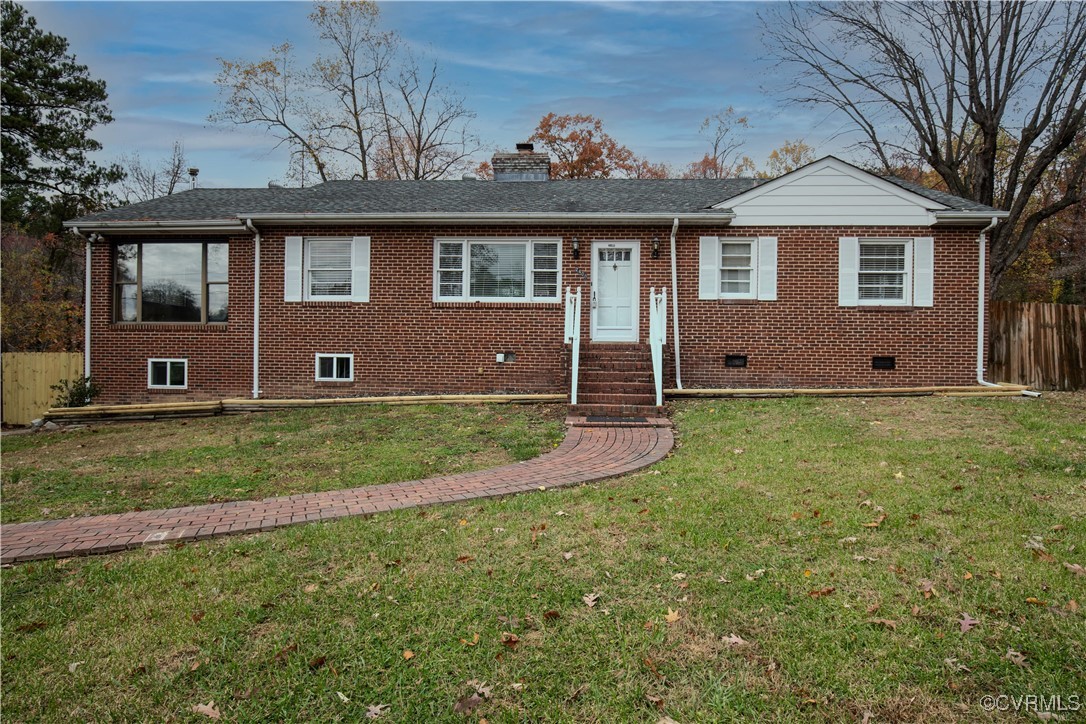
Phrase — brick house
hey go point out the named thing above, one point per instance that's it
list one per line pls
(826, 277)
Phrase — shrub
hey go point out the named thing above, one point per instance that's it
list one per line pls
(76, 393)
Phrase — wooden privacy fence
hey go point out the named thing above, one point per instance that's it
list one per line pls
(27, 377)
(1040, 345)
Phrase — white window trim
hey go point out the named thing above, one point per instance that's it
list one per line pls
(529, 268)
(317, 367)
(168, 386)
(306, 269)
(907, 278)
(753, 243)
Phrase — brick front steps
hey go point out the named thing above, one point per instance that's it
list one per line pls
(616, 381)
(588, 452)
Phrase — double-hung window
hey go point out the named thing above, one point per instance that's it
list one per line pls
(326, 269)
(886, 272)
(497, 270)
(173, 281)
(883, 277)
(738, 268)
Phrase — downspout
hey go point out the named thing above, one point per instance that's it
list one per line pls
(86, 302)
(256, 307)
(675, 304)
(982, 275)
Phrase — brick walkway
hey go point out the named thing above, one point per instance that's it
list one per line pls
(588, 453)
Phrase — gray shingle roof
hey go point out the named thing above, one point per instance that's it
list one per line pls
(606, 196)
(941, 197)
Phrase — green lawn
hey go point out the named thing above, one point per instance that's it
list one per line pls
(758, 537)
(114, 468)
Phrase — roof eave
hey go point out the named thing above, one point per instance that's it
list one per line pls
(192, 226)
(716, 217)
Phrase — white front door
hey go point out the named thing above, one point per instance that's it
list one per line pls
(615, 281)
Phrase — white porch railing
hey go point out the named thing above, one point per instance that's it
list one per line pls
(573, 336)
(657, 337)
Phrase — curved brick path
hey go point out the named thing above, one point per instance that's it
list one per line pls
(587, 453)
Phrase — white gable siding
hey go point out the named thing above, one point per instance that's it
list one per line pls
(831, 196)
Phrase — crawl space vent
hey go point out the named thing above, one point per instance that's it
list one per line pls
(883, 363)
(735, 360)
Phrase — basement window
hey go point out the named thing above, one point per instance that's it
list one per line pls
(883, 363)
(735, 360)
(335, 368)
(167, 374)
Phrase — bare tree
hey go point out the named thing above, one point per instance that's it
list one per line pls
(947, 84)
(144, 180)
(724, 130)
(424, 126)
(364, 109)
(272, 94)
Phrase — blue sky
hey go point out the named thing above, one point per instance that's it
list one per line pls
(651, 71)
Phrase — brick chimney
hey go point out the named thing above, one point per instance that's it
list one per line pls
(524, 165)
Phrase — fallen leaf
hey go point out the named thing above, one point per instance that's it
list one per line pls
(655, 701)
(1042, 555)
(209, 710)
(735, 640)
(1075, 568)
(463, 522)
(198, 617)
(847, 541)
(510, 640)
(868, 717)
(343, 697)
(678, 576)
(577, 693)
(967, 623)
(567, 555)
(474, 640)
(953, 663)
(311, 587)
(671, 616)
(464, 559)
(1071, 605)
(510, 621)
(1017, 658)
(928, 589)
(376, 710)
(285, 651)
(968, 576)
(821, 592)
(32, 626)
(884, 622)
(807, 573)
(75, 665)
(316, 662)
(560, 513)
(408, 654)
(551, 616)
(590, 599)
(1036, 601)
(875, 523)
(757, 574)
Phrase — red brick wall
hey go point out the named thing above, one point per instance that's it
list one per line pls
(404, 342)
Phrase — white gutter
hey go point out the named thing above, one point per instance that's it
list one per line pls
(194, 226)
(503, 218)
(675, 305)
(256, 307)
(982, 275)
(86, 303)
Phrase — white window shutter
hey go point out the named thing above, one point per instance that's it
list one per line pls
(767, 268)
(924, 272)
(360, 276)
(292, 269)
(848, 271)
(709, 268)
